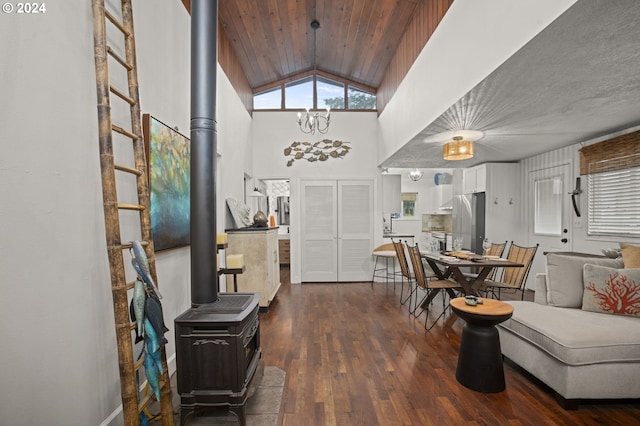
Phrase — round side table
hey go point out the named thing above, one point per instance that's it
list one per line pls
(480, 358)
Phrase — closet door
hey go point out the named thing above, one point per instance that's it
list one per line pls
(355, 230)
(319, 231)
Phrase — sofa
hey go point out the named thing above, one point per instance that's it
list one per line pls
(578, 350)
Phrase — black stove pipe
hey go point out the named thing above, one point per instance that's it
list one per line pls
(204, 59)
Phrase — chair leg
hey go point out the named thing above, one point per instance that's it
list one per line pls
(375, 265)
(451, 294)
(410, 290)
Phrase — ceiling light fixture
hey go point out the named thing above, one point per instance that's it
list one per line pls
(415, 175)
(458, 149)
(312, 122)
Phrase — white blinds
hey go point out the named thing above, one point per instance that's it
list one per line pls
(614, 203)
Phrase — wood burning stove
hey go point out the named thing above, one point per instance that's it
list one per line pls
(217, 353)
(218, 338)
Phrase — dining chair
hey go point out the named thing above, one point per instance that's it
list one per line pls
(430, 287)
(512, 279)
(405, 272)
(496, 249)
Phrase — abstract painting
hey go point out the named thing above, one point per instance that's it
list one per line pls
(169, 160)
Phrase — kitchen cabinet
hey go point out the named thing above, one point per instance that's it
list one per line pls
(474, 179)
(391, 193)
(262, 266)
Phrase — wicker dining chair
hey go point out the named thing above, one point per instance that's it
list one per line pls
(512, 279)
(430, 287)
(405, 272)
(494, 250)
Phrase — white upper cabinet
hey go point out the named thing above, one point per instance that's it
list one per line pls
(474, 179)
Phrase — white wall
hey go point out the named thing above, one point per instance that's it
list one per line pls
(56, 313)
(274, 131)
(472, 40)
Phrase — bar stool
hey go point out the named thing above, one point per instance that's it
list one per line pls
(386, 252)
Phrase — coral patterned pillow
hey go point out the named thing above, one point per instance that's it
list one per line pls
(610, 290)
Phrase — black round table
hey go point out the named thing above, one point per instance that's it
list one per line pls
(480, 358)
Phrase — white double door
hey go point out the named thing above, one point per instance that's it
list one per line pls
(337, 230)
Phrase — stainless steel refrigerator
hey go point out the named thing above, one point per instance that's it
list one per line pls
(469, 220)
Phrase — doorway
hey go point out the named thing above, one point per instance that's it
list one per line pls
(550, 206)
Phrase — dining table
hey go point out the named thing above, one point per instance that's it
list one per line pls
(450, 264)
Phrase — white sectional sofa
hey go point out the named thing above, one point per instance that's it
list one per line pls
(578, 353)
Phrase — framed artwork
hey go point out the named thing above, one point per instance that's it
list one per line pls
(169, 164)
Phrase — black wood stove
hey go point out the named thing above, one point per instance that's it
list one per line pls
(217, 353)
(218, 338)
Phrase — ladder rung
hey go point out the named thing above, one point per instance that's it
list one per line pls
(127, 246)
(145, 401)
(138, 207)
(123, 132)
(117, 23)
(121, 61)
(133, 326)
(127, 169)
(138, 364)
(130, 285)
(121, 95)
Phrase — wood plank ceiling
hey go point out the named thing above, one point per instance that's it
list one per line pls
(357, 39)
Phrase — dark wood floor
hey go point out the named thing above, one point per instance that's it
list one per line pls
(353, 356)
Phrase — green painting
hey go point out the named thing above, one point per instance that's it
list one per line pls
(169, 169)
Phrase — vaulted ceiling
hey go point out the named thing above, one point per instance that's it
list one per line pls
(273, 39)
(576, 80)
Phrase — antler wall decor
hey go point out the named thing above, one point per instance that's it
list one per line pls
(318, 151)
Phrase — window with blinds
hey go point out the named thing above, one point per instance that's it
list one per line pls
(613, 169)
(614, 203)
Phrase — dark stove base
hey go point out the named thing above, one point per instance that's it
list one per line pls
(234, 402)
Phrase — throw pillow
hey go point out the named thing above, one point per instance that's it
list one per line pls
(610, 290)
(630, 255)
(564, 277)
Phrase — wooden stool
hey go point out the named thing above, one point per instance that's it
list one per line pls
(385, 251)
(480, 358)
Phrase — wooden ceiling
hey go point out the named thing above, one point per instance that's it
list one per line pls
(356, 41)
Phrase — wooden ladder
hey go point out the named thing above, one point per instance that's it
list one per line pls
(133, 402)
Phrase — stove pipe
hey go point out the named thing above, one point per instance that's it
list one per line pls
(204, 59)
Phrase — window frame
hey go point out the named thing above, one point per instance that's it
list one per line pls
(347, 85)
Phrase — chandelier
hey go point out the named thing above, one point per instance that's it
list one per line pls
(415, 175)
(312, 122)
(458, 149)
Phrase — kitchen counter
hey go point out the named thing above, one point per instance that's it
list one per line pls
(397, 235)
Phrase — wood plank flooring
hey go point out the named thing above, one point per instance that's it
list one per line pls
(354, 356)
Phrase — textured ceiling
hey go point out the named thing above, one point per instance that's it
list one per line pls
(576, 80)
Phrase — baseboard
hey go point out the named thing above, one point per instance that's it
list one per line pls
(117, 413)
